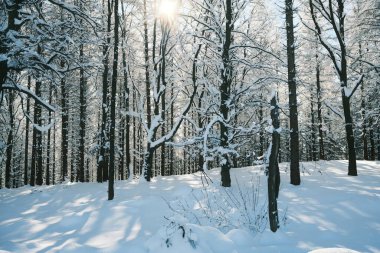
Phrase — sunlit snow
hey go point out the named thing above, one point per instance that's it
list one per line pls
(329, 213)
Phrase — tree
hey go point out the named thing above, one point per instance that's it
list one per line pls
(10, 142)
(159, 87)
(17, 45)
(103, 159)
(273, 169)
(334, 15)
(225, 89)
(295, 178)
(113, 102)
(82, 114)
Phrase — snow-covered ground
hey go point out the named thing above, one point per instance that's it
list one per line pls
(329, 212)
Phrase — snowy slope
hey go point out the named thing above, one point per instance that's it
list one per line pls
(329, 212)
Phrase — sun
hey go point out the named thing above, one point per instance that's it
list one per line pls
(167, 9)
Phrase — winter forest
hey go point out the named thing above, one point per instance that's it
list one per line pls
(216, 107)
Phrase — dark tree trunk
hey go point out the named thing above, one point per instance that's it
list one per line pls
(172, 160)
(201, 159)
(54, 171)
(9, 149)
(82, 118)
(336, 19)
(313, 148)
(26, 144)
(261, 133)
(352, 171)
(48, 144)
(13, 8)
(295, 178)
(163, 96)
(147, 78)
(64, 129)
(319, 112)
(36, 164)
(349, 135)
(135, 132)
(122, 126)
(127, 119)
(102, 170)
(113, 102)
(378, 144)
(363, 112)
(148, 162)
(225, 89)
(372, 141)
(73, 158)
(273, 170)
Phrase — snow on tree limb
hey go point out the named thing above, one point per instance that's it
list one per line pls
(22, 89)
(349, 92)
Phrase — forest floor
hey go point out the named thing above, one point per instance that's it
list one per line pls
(329, 212)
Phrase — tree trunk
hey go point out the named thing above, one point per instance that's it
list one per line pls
(312, 127)
(261, 133)
(295, 178)
(113, 102)
(172, 160)
(336, 19)
(48, 144)
(54, 171)
(82, 118)
(9, 149)
(273, 170)
(163, 96)
(64, 128)
(135, 132)
(372, 141)
(26, 145)
(127, 117)
(102, 170)
(147, 78)
(363, 112)
(319, 111)
(36, 140)
(147, 163)
(378, 144)
(352, 171)
(225, 89)
(73, 158)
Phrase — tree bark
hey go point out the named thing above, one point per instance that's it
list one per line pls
(273, 170)
(64, 128)
(313, 149)
(36, 163)
(319, 111)
(26, 144)
(9, 149)
(363, 112)
(336, 19)
(102, 170)
(225, 89)
(127, 122)
(82, 118)
(113, 101)
(147, 77)
(48, 144)
(295, 177)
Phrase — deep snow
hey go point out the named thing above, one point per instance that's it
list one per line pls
(329, 212)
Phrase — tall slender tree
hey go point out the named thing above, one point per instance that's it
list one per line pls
(295, 177)
(102, 170)
(10, 142)
(334, 14)
(113, 101)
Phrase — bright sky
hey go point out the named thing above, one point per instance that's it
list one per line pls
(167, 9)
